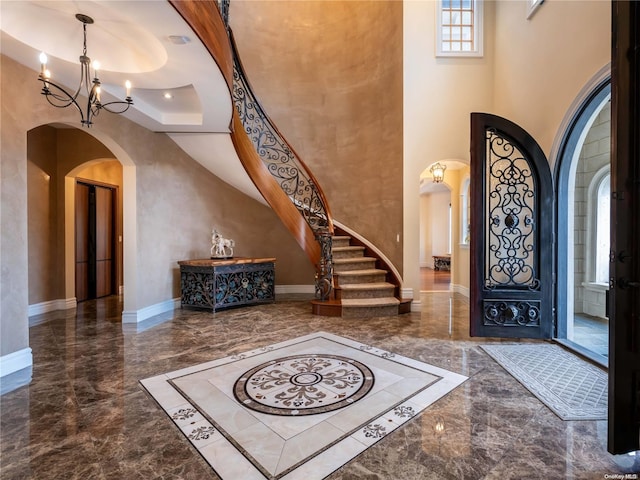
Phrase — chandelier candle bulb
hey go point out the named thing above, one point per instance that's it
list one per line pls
(43, 63)
(96, 67)
(127, 85)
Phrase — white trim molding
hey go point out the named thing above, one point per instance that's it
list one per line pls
(137, 316)
(52, 306)
(461, 289)
(12, 362)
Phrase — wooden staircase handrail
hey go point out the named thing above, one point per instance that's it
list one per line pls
(304, 166)
(272, 193)
(205, 20)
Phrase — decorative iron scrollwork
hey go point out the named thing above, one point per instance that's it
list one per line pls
(324, 272)
(223, 6)
(276, 154)
(512, 313)
(287, 169)
(511, 207)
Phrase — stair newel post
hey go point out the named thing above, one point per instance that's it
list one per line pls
(324, 269)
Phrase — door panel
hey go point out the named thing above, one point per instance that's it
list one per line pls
(624, 291)
(511, 232)
(82, 241)
(95, 241)
(104, 241)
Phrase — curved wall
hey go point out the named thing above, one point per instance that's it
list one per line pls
(329, 74)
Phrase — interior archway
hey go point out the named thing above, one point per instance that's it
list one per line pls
(95, 148)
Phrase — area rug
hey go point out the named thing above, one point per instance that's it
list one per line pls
(572, 388)
(298, 409)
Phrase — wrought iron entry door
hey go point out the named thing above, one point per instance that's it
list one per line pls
(512, 264)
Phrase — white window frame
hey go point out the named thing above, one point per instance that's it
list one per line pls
(477, 32)
(592, 225)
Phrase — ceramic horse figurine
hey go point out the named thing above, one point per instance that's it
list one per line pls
(221, 247)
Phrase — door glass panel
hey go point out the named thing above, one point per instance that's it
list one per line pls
(511, 243)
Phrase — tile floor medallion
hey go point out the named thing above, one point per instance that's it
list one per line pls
(298, 409)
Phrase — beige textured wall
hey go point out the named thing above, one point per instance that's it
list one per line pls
(329, 74)
(176, 203)
(543, 63)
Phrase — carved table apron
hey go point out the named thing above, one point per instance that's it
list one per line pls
(213, 284)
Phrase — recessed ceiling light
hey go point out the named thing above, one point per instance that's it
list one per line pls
(179, 39)
(168, 95)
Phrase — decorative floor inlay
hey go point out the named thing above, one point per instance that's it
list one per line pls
(298, 409)
(304, 385)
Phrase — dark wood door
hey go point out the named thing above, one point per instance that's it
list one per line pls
(95, 241)
(624, 288)
(82, 242)
(511, 232)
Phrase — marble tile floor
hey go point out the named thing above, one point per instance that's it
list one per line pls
(85, 414)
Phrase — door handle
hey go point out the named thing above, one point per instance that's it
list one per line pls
(624, 283)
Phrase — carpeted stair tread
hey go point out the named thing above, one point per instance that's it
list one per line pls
(348, 248)
(367, 271)
(343, 261)
(368, 286)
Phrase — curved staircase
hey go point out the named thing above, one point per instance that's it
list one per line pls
(352, 279)
(360, 287)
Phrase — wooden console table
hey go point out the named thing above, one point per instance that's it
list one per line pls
(214, 284)
(442, 262)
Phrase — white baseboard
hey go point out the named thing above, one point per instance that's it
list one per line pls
(284, 289)
(12, 362)
(137, 316)
(462, 290)
(406, 292)
(416, 306)
(52, 306)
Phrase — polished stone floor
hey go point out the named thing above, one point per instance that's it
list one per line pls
(85, 415)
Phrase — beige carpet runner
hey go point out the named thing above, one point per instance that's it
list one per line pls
(571, 387)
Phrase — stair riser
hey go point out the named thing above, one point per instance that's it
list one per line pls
(348, 280)
(347, 254)
(373, 293)
(368, 312)
(340, 242)
(347, 267)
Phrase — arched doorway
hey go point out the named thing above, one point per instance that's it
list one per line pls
(443, 219)
(57, 155)
(582, 172)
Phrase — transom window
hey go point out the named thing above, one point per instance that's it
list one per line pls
(459, 29)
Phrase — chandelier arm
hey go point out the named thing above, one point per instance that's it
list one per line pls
(65, 99)
(124, 106)
(61, 98)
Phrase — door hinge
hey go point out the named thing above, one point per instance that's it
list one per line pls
(617, 195)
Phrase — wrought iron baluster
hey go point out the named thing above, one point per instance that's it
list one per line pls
(290, 173)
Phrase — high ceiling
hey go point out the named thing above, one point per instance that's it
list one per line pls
(148, 43)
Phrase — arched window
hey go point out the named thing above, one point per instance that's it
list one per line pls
(598, 230)
(602, 213)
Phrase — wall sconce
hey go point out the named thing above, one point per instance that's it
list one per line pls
(437, 171)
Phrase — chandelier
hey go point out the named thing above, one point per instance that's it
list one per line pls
(437, 171)
(57, 96)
